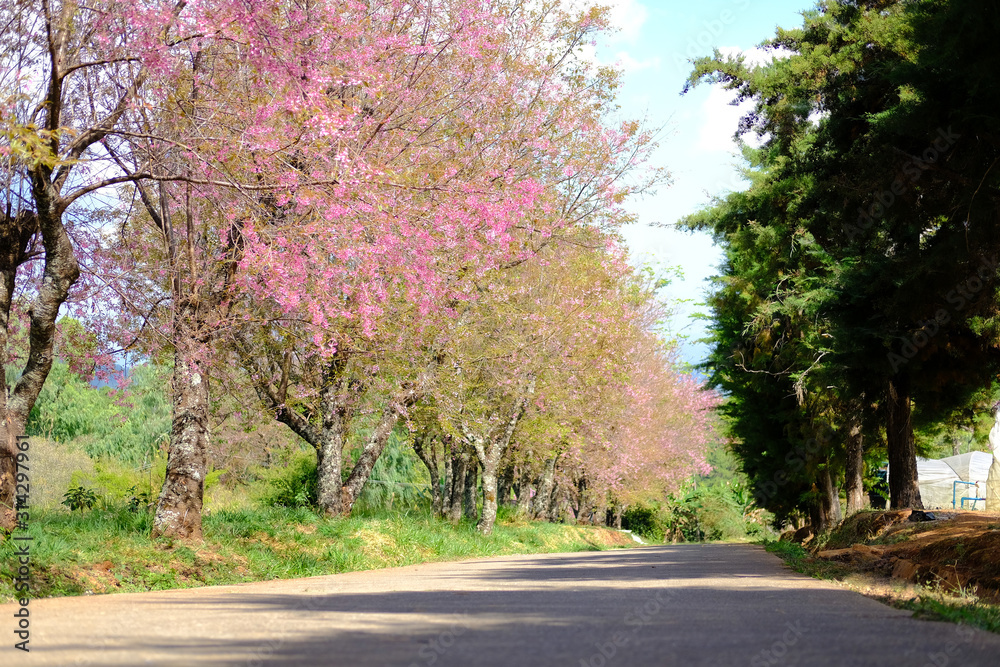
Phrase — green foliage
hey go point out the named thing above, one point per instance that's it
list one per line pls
(293, 484)
(714, 511)
(860, 264)
(138, 500)
(802, 561)
(398, 480)
(79, 498)
(643, 521)
(965, 611)
(129, 427)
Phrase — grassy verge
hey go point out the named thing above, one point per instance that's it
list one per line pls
(927, 603)
(109, 550)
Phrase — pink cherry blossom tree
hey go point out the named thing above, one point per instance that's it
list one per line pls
(494, 146)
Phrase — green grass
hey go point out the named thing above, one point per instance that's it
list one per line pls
(929, 603)
(802, 561)
(108, 549)
(961, 610)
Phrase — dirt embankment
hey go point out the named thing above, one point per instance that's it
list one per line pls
(956, 551)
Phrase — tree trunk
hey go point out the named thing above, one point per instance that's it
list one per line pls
(329, 472)
(330, 439)
(600, 516)
(540, 507)
(490, 452)
(903, 489)
(584, 509)
(855, 471)
(504, 485)
(59, 274)
(9, 431)
(449, 477)
(829, 501)
(460, 466)
(555, 504)
(424, 446)
(469, 509)
(489, 515)
(178, 513)
(524, 489)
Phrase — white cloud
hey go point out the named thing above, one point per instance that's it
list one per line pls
(720, 117)
(719, 122)
(629, 64)
(628, 16)
(755, 57)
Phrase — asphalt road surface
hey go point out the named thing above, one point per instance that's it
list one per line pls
(685, 605)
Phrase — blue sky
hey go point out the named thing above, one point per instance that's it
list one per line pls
(656, 39)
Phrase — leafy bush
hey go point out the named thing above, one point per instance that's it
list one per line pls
(719, 511)
(79, 498)
(139, 500)
(644, 521)
(294, 485)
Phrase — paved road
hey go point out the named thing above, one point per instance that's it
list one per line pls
(673, 605)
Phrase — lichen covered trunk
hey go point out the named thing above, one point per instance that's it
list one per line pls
(469, 509)
(524, 490)
(504, 483)
(329, 462)
(489, 513)
(10, 428)
(449, 473)
(178, 512)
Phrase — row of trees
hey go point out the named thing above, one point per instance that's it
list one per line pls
(861, 264)
(377, 211)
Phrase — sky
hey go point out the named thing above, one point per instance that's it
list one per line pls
(655, 41)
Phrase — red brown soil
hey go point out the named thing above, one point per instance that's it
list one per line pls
(958, 551)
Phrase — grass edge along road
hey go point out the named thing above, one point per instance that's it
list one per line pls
(109, 550)
(930, 603)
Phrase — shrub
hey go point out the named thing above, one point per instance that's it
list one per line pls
(79, 498)
(294, 485)
(644, 521)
